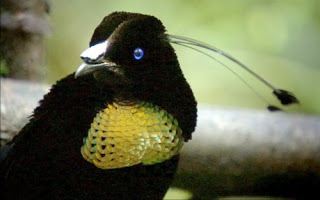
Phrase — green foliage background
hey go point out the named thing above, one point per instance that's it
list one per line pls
(279, 39)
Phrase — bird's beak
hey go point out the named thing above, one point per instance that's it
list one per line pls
(86, 68)
(93, 58)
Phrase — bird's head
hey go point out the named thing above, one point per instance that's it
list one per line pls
(128, 49)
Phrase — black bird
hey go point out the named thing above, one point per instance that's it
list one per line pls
(113, 129)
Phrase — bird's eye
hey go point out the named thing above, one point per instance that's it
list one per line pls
(138, 53)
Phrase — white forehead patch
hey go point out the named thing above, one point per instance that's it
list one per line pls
(95, 53)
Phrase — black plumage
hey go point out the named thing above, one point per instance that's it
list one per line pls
(45, 160)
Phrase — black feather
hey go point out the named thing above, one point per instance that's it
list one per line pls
(285, 97)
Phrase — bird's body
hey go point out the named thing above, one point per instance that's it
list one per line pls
(63, 154)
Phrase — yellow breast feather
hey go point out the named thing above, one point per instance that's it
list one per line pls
(126, 135)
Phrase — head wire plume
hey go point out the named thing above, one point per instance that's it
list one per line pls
(285, 97)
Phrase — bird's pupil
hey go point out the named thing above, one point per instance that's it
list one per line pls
(138, 53)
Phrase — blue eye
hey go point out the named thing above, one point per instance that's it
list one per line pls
(138, 53)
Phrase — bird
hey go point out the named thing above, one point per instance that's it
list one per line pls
(114, 128)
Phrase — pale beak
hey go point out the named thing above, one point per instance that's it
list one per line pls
(86, 68)
(93, 58)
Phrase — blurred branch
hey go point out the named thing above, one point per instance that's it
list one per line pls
(251, 152)
(23, 25)
(233, 151)
(18, 99)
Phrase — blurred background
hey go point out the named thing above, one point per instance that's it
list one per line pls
(279, 39)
